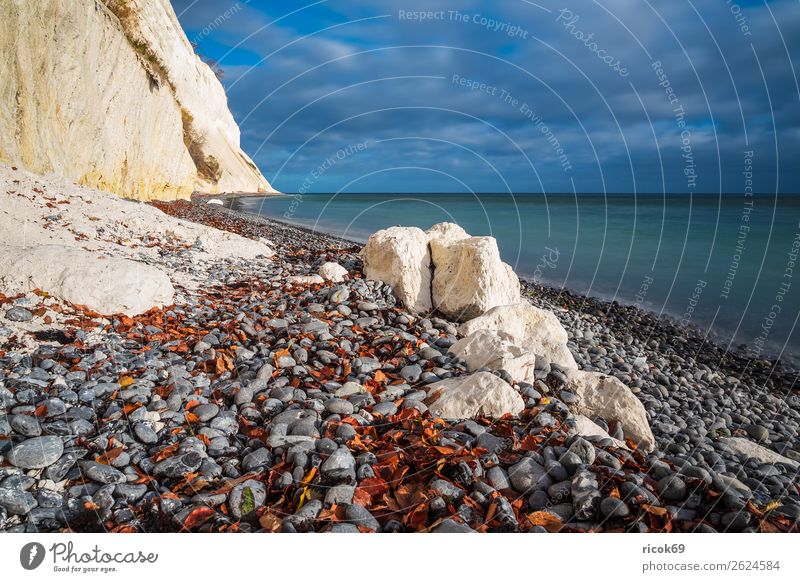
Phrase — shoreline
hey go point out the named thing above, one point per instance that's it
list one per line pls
(791, 362)
(278, 392)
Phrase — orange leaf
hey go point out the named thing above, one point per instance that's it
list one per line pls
(198, 517)
(545, 519)
(107, 457)
(165, 452)
(380, 377)
(271, 522)
(126, 381)
(659, 511)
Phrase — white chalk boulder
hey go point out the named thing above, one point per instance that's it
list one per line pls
(104, 284)
(332, 272)
(446, 233)
(750, 450)
(479, 394)
(537, 330)
(469, 278)
(400, 257)
(606, 397)
(496, 351)
(586, 427)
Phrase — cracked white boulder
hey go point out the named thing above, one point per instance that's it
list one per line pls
(103, 283)
(469, 278)
(606, 397)
(537, 330)
(496, 351)
(479, 394)
(399, 256)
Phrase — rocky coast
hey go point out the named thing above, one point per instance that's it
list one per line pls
(289, 381)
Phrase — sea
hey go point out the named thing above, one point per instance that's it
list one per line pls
(726, 264)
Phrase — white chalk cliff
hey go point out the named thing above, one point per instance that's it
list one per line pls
(110, 94)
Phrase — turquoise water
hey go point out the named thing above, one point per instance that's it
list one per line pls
(725, 264)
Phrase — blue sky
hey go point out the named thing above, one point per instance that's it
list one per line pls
(611, 95)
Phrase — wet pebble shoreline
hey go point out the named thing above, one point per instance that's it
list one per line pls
(265, 403)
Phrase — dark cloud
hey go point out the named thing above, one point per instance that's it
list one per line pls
(338, 73)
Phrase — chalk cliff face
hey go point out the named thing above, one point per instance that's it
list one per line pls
(110, 93)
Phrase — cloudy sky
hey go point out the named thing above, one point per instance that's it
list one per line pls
(455, 96)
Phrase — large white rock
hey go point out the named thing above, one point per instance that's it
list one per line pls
(479, 394)
(399, 256)
(332, 272)
(496, 351)
(469, 278)
(537, 330)
(750, 450)
(606, 397)
(104, 284)
(446, 232)
(588, 428)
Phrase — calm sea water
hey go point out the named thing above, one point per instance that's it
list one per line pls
(728, 265)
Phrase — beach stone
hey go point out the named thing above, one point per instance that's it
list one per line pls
(757, 432)
(452, 526)
(411, 373)
(399, 257)
(339, 495)
(36, 453)
(258, 459)
(339, 406)
(469, 278)
(333, 272)
(340, 466)
(177, 466)
(145, 433)
(16, 501)
(246, 497)
(528, 475)
(19, 314)
(495, 350)
(672, 488)
(614, 508)
(479, 394)
(538, 330)
(102, 473)
(607, 397)
(26, 425)
(360, 516)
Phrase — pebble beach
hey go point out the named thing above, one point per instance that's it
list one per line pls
(271, 399)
